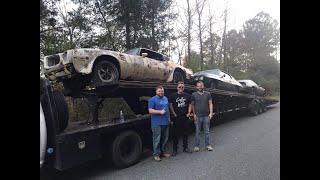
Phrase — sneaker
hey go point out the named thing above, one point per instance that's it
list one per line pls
(166, 155)
(174, 153)
(187, 150)
(196, 149)
(209, 148)
(157, 158)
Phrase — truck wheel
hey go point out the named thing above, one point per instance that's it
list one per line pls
(254, 108)
(62, 110)
(126, 149)
(105, 72)
(264, 107)
(260, 107)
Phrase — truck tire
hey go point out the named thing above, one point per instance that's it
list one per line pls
(126, 149)
(264, 107)
(253, 108)
(260, 107)
(62, 110)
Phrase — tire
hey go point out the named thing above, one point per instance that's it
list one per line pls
(264, 107)
(253, 108)
(126, 149)
(62, 110)
(178, 76)
(104, 73)
(213, 85)
(260, 107)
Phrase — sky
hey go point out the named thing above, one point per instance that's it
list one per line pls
(242, 10)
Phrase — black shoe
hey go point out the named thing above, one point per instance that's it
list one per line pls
(187, 150)
(174, 153)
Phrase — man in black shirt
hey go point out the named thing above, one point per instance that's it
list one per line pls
(180, 107)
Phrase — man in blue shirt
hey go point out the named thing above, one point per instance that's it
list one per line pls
(159, 109)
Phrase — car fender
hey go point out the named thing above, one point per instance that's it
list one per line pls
(84, 59)
(188, 73)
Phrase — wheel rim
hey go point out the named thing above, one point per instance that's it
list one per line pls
(177, 77)
(107, 73)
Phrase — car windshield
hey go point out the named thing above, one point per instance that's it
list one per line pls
(214, 71)
(133, 51)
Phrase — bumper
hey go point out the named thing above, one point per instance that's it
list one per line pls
(62, 71)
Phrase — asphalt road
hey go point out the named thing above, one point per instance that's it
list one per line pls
(245, 147)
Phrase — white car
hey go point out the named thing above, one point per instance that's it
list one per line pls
(78, 68)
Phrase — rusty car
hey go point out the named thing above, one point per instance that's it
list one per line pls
(78, 68)
(217, 79)
(250, 87)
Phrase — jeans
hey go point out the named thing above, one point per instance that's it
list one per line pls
(180, 127)
(160, 136)
(205, 123)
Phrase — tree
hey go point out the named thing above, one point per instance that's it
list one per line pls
(193, 61)
(211, 50)
(262, 37)
(199, 8)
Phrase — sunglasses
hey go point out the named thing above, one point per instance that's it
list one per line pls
(181, 87)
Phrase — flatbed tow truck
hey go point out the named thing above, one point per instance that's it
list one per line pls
(65, 145)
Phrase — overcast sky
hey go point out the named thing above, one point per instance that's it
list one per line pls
(242, 10)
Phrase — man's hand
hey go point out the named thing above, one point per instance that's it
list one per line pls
(188, 115)
(210, 116)
(162, 112)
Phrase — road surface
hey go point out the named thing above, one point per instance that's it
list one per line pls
(245, 147)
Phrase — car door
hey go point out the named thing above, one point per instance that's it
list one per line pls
(156, 68)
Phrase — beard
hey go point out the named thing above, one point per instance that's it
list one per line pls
(200, 90)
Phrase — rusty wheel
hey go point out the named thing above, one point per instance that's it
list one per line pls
(105, 72)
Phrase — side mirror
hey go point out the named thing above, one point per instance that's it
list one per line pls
(144, 54)
(223, 76)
